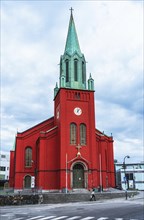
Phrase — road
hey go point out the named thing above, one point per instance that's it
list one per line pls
(115, 209)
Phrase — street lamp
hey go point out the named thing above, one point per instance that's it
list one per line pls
(124, 167)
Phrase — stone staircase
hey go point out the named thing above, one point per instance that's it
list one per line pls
(80, 190)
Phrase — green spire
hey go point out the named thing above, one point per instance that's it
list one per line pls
(73, 63)
(72, 43)
(90, 83)
(56, 89)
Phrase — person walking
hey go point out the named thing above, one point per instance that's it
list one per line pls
(93, 195)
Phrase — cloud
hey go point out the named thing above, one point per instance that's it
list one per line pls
(132, 147)
(111, 37)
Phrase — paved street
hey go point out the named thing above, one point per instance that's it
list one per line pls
(116, 209)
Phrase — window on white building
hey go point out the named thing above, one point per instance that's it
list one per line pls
(2, 168)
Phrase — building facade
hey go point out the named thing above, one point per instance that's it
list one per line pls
(4, 167)
(132, 177)
(66, 151)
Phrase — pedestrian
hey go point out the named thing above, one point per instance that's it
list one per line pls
(93, 195)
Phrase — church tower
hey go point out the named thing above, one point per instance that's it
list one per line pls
(75, 115)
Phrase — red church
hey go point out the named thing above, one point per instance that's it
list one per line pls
(65, 151)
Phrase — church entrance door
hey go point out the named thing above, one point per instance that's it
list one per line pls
(27, 182)
(78, 176)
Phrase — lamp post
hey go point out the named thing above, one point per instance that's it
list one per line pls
(124, 166)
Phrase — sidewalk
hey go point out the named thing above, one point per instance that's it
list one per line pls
(53, 198)
(137, 199)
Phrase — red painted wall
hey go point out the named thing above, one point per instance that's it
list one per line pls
(12, 169)
(50, 143)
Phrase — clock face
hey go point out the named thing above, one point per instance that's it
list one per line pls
(77, 111)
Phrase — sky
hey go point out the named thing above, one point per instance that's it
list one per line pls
(110, 33)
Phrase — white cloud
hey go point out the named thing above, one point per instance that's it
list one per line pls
(131, 147)
(126, 127)
(111, 38)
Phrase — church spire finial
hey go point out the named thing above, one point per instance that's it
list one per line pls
(71, 9)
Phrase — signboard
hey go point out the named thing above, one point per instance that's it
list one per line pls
(32, 181)
(131, 185)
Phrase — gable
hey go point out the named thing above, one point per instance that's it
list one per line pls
(41, 127)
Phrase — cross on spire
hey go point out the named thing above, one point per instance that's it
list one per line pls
(71, 9)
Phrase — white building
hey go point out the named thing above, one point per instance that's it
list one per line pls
(4, 167)
(131, 176)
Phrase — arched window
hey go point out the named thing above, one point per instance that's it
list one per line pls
(73, 131)
(82, 134)
(28, 157)
(27, 181)
(60, 67)
(83, 72)
(67, 70)
(75, 70)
